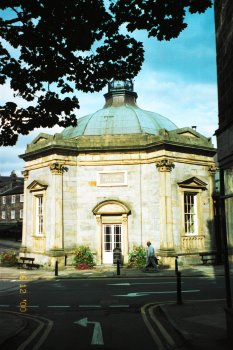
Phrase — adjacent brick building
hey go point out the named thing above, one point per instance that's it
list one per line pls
(11, 206)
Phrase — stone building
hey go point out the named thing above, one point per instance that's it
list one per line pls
(224, 47)
(121, 177)
(11, 206)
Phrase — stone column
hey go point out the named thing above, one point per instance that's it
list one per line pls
(23, 247)
(99, 240)
(166, 225)
(124, 236)
(56, 246)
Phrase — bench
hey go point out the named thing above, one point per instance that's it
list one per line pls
(27, 263)
(208, 257)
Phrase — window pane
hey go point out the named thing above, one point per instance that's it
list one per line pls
(107, 238)
(190, 213)
(39, 215)
(117, 236)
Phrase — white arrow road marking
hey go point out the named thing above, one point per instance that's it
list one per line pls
(141, 294)
(97, 337)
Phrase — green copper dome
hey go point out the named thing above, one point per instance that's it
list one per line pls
(120, 115)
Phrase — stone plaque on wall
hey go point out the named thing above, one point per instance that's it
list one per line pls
(112, 178)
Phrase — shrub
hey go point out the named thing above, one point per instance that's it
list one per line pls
(137, 257)
(83, 259)
(8, 258)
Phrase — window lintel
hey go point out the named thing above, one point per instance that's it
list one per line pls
(37, 186)
(193, 183)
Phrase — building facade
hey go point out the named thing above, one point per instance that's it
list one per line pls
(11, 206)
(224, 47)
(121, 177)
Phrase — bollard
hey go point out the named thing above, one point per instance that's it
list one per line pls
(118, 267)
(179, 294)
(65, 260)
(56, 268)
(176, 264)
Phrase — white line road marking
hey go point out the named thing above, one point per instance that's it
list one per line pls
(119, 284)
(89, 305)
(68, 306)
(141, 294)
(97, 337)
(62, 306)
(134, 284)
(116, 306)
(31, 306)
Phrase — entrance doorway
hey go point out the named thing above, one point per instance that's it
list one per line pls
(111, 239)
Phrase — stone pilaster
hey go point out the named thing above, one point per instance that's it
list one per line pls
(98, 240)
(165, 167)
(212, 170)
(23, 247)
(56, 238)
(124, 236)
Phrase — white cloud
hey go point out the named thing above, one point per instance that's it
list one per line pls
(183, 102)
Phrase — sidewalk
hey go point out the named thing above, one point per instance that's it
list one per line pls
(106, 271)
(196, 325)
(202, 324)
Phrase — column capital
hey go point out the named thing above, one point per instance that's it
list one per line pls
(212, 169)
(25, 173)
(57, 168)
(165, 165)
(98, 219)
(124, 217)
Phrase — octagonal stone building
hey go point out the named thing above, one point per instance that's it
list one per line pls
(121, 177)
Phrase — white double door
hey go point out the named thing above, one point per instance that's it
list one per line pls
(111, 239)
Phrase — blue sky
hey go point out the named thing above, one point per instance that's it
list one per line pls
(177, 80)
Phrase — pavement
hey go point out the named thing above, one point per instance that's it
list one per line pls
(190, 325)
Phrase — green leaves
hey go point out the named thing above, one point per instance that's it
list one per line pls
(83, 258)
(137, 257)
(51, 49)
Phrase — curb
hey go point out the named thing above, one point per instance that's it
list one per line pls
(165, 333)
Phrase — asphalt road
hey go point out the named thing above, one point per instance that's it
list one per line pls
(90, 313)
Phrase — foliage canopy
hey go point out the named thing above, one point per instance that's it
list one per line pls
(51, 49)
